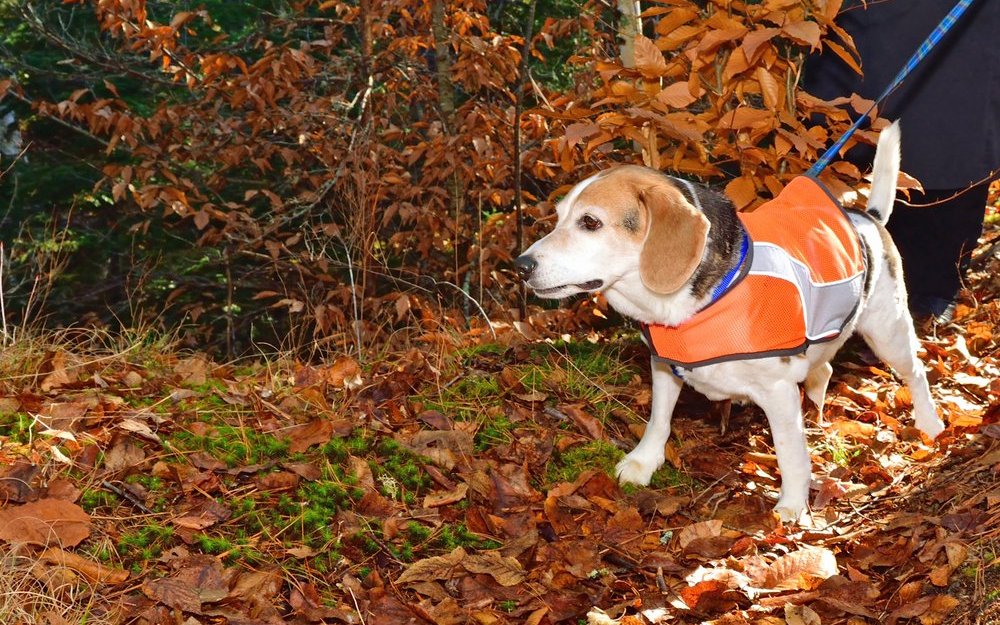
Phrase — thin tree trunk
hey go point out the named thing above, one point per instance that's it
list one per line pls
(522, 303)
(446, 102)
(367, 68)
(629, 27)
(442, 58)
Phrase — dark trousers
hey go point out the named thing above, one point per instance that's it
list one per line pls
(936, 242)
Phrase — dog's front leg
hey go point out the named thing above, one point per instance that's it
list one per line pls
(638, 466)
(783, 408)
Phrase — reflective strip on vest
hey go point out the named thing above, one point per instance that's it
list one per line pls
(802, 284)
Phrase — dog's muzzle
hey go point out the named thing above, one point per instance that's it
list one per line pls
(525, 266)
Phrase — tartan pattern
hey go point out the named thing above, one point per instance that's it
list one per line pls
(922, 51)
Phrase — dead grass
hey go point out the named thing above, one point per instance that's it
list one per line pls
(31, 593)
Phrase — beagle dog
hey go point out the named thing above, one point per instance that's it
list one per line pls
(666, 253)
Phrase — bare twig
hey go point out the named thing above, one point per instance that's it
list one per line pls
(3, 304)
(356, 321)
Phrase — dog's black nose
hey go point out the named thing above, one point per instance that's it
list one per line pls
(524, 265)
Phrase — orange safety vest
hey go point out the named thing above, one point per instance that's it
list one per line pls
(800, 285)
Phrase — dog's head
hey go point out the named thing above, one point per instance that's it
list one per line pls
(625, 222)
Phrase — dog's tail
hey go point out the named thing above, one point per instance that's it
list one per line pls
(885, 172)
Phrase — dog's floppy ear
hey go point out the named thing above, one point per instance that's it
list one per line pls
(676, 234)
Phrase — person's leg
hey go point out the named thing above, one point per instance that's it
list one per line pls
(936, 243)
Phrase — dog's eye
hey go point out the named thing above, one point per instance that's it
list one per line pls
(589, 222)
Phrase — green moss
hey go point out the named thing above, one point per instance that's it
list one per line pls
(453, 535)
(494, 432)
(214, 545)
(235, 446)
(338, 449)
(307, 515)
(398, 471)
(103, 554)
(569, 464)
(149, 482)
(91, 499)
(146, 542)
(669, 477)
(467, 398)
(467, 354)
(417, 532)
(533, 378)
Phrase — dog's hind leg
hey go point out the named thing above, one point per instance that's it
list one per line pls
(887, 327)
(782, 405)
(639, 465)
(815, 386)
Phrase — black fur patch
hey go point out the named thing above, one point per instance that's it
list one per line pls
(631, 221)
(724, 237)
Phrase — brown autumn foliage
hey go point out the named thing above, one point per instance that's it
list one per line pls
(352, 162)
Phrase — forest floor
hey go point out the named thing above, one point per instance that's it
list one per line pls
(468, 480)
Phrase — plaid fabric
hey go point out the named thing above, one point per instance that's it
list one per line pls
(922, 51)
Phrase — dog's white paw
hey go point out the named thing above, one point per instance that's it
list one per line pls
(790, 511)
(929, 424)
(931, 427)
(637, 468)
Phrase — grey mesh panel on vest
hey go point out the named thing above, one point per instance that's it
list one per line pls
(827, 306)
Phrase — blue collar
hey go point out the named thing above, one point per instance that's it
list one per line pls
(734, 273)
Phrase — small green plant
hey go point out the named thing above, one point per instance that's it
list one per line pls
(149, 482)
(839, 450)
(338, 449)
(17, 427)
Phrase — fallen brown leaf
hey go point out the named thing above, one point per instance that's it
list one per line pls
(433, 568)
(94, 571)
(505, 570)
(801, 615)
(193, 370)
(586, 423)
(702, 529)
(45, 522)
(804, 569)
(445, 498)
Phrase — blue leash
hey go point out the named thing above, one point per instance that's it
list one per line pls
(925, 47)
